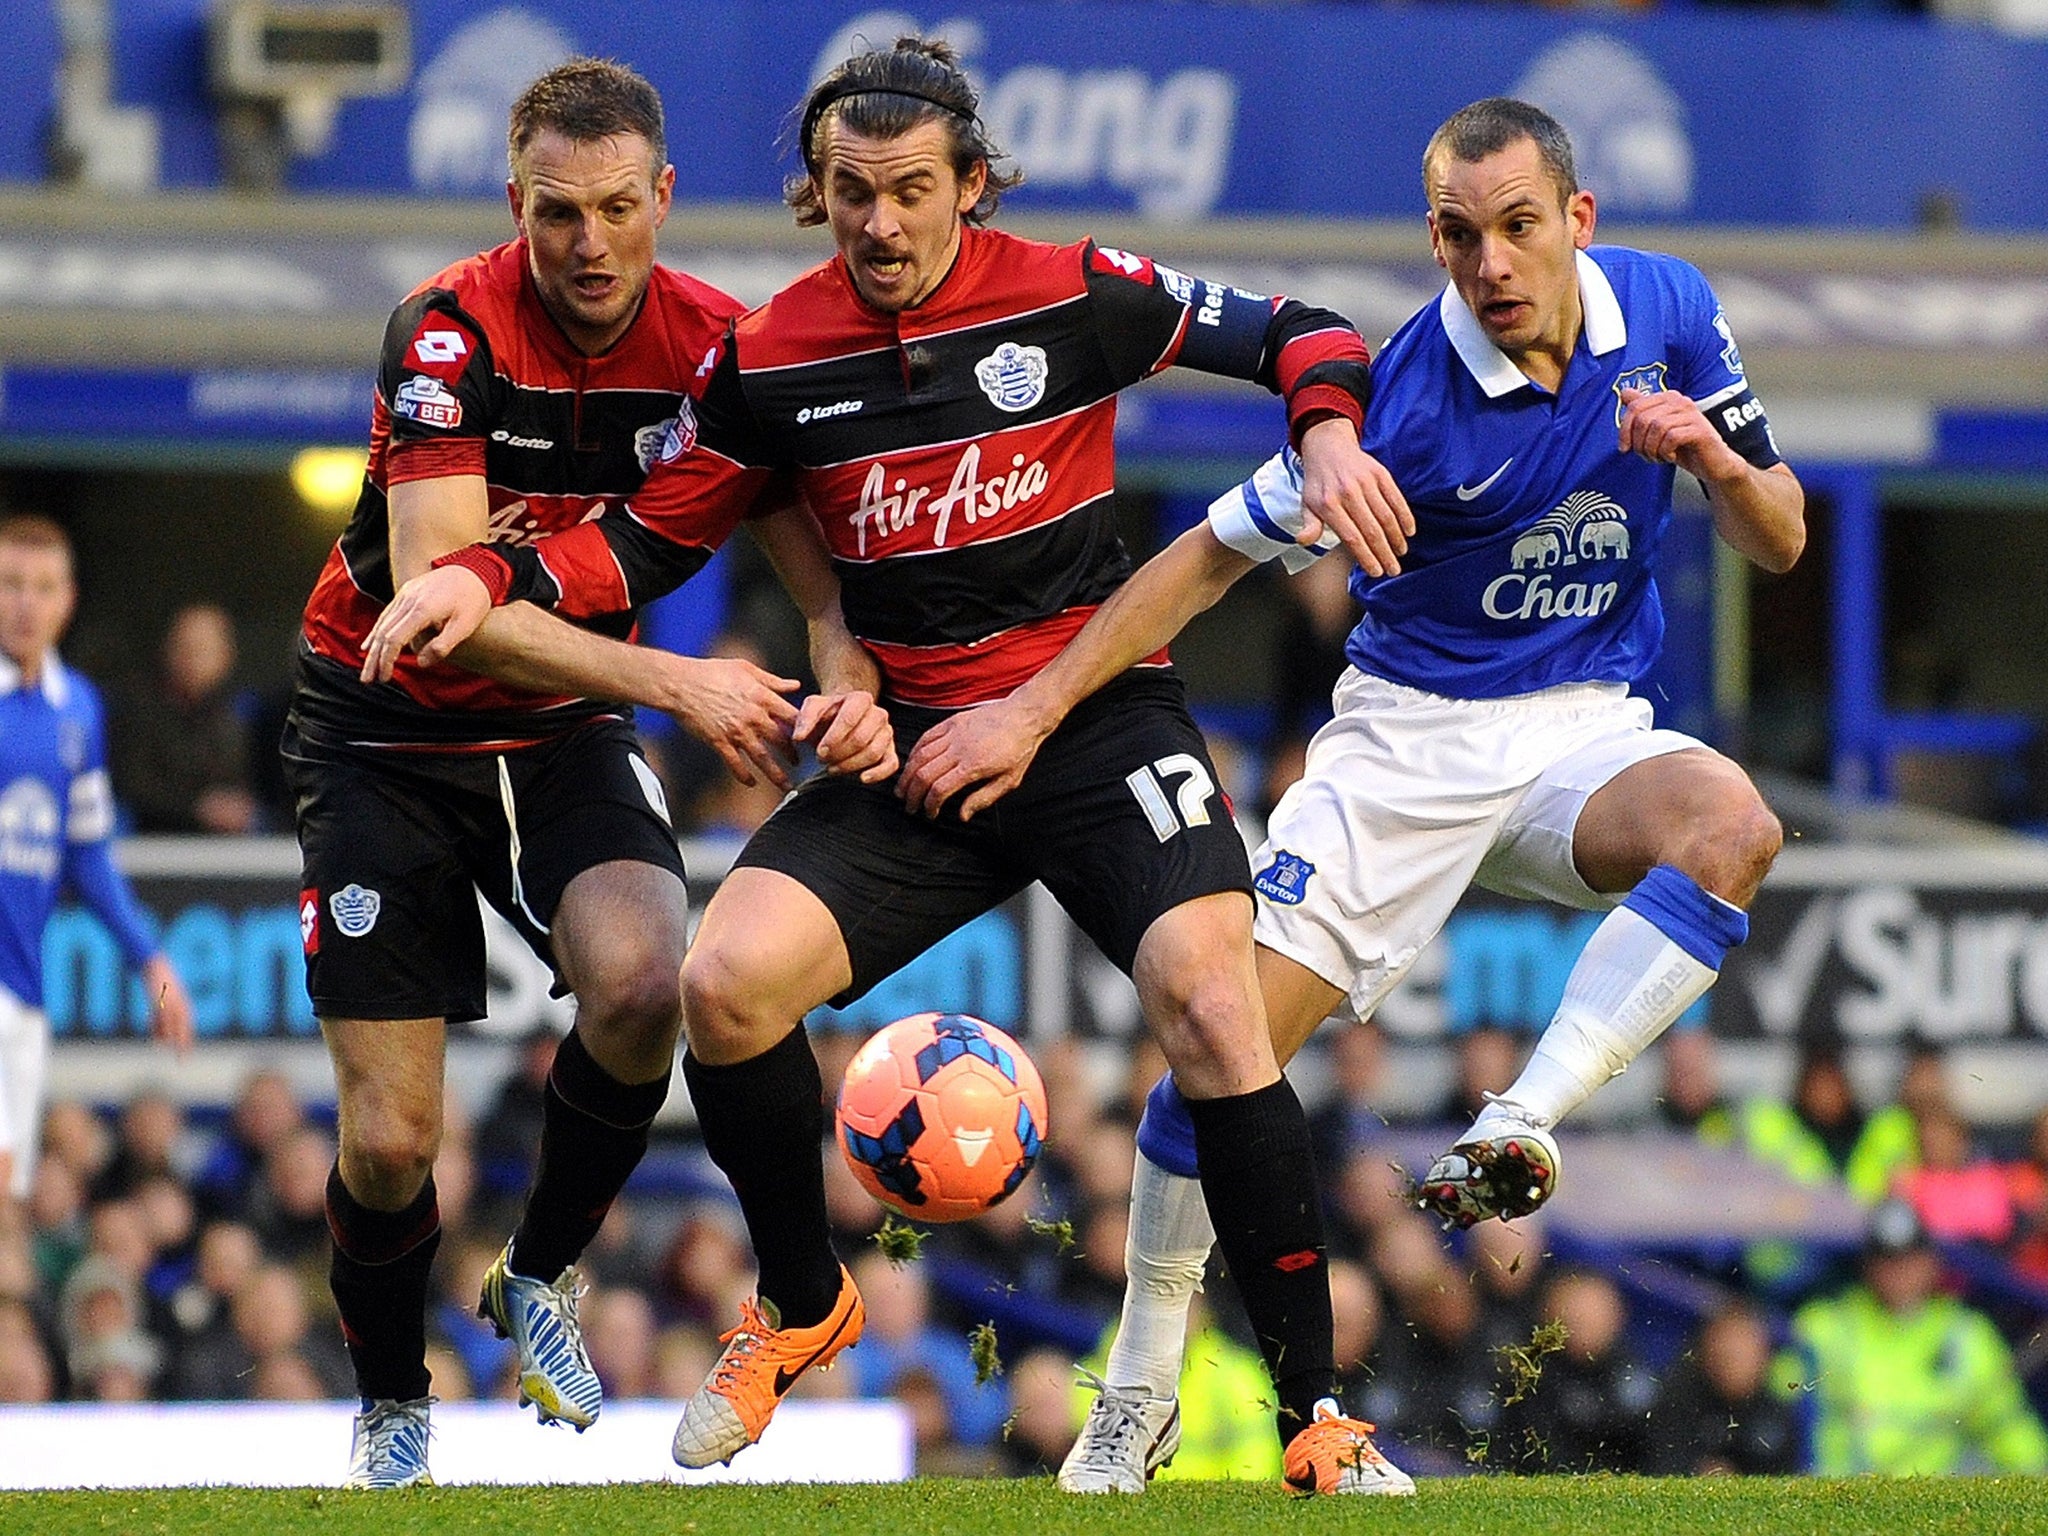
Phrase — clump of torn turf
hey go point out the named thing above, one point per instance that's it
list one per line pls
(1061, 1232)
(1521, 1365)
(981, 1349)
(900, 1242)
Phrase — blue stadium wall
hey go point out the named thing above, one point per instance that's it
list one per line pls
(1180, 110)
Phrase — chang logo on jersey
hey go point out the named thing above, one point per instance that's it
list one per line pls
(426, 400)
(1586, 528)
(1285, 880)
(29, 830)
(885, 508)
(1012, 377)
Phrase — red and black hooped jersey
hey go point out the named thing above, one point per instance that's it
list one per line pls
(477, 379)
(958, 455)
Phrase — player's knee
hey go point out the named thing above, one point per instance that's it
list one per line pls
(387, 1156)
(638, 995)
(719, 1005)
(1736, 848)
(1208, 1027)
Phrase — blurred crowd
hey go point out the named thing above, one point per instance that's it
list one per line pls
(169, 1255)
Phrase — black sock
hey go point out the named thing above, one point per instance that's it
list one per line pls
(382, 1261)
(593, 1135)
(763, 1120)
(1259, 1180)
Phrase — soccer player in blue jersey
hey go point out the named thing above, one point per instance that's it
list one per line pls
(56, 825)
(1535, 419)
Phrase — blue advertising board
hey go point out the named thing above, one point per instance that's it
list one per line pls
(1180, 111)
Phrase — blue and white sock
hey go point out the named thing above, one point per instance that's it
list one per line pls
(1650, 959)
(1168, 1246)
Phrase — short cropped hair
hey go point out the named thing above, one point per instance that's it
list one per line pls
(883, 94)
(586, 99)
(1487, 127)
(31, 530)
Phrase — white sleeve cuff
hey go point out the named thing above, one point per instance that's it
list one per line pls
(1262, 518)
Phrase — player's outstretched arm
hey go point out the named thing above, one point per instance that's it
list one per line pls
(733, 706)
(987, 749)
(846, 726)
(1350, 493)
(1761, 513)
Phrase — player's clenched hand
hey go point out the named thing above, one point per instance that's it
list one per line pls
(739, 711)
(446, 604)
(1667, 427)
(852, 734)
(1350, 492)
(170, 1009)
(987, 747)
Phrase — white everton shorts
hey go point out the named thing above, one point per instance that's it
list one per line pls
(24, 1063)
(1410, 798)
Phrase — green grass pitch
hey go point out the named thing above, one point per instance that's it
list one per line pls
(1546, 1506)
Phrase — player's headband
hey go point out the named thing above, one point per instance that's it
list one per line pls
(846, 88)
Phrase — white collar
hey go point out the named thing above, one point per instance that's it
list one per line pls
(56, 684)
(1605, 330)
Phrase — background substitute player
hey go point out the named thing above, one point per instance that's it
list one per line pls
(1535, 418)
(522, 391)
(945, 394)
(56, 829)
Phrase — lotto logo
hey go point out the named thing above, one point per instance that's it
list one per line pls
(1109, 259)
(440, 346)
(309, 920)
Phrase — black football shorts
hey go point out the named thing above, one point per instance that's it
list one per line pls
(1119, 814)
(397, 844)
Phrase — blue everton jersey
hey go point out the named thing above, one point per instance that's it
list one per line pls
(1535, 537)
(56, 819)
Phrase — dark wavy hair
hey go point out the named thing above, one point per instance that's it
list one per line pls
(585, 99)
(884, 94)
(1487, 127)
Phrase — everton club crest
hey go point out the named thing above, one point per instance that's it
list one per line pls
(1648, 380)
(1013, 377)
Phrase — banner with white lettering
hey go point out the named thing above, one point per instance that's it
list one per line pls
(1177, 111)
(1865, 945)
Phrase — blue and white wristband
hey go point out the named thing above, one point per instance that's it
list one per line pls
(1262, 518)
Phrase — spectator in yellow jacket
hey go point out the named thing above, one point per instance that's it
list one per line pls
(1906, 1380)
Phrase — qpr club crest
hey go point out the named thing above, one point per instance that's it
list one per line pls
(355, 910)
(1012, 377)
(1648, 380)
(1285, 880)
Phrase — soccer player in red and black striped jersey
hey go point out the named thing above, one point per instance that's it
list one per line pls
(522, 391)
(944, 394)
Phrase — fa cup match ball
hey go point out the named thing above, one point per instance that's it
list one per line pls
(941, 1116)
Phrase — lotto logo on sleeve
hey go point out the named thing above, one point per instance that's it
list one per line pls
(309, 920)
(1108, 258)
(439, 346)
(426, 400)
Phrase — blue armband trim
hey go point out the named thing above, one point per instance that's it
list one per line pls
(1698, 922)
